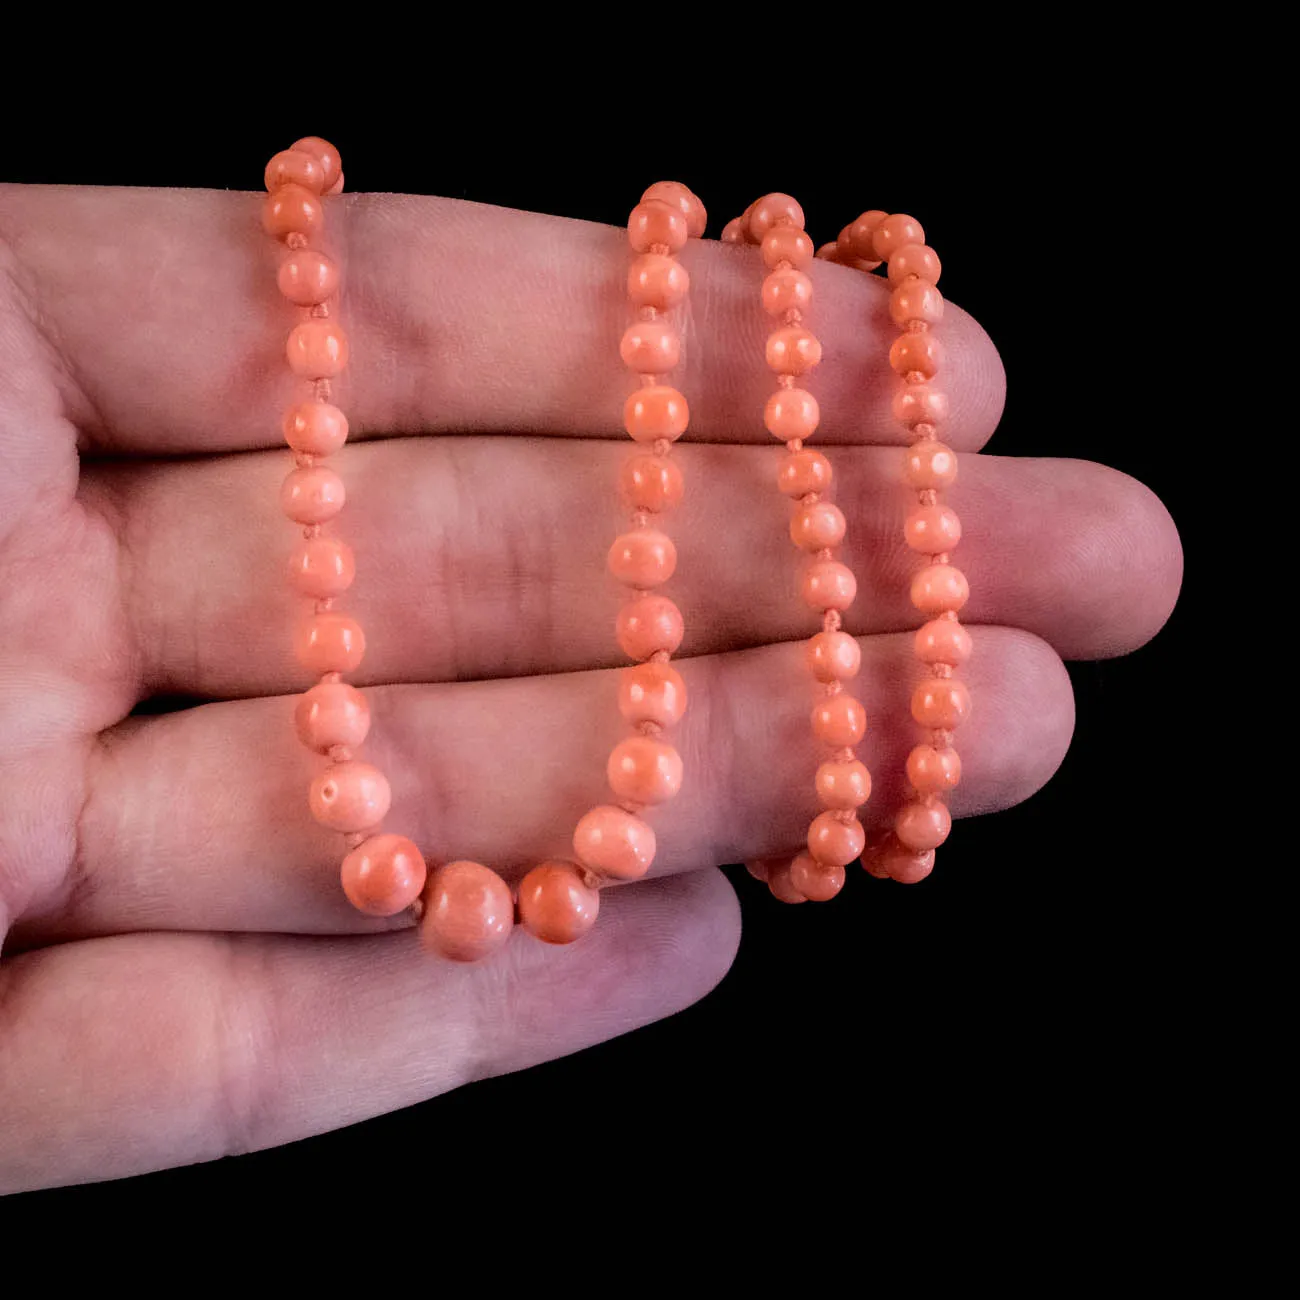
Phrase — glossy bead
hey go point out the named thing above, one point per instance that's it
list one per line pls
(839, 720)
(312, 495)
(468, 912)
(916, 300)
(833, 842)
(643, 558)
(329, 714)
(733, 232)
(650, 347)
(330, 643)
(792, 350)
(780, 882)
(648, 625)
(893, 233)
(315, 428)
(384, 875)
(915, 404)
(350, 796)
(929, 464)
(655, 223)
(654, 280)
(942, 641)
(614, 842)
(317, 349)
(771, 210)
(818, 882)
(792, 413)
(817, 526)
(655, 412)
(652, 483)
(325, 154)
(905, 865)
(802, 472)
(758, 867)
(922, 826)
(294, 167)
(680, 196)
(940, 702)
(292, 210)
(932, 529)
(843, 785)
(916, 352)
(555, 904)
(857, 237)
(833, 656)
(307, 277)
(644, 770)
(933, 771)
(828, 584)
(919, 260)
(939, 588)
(785, 291)
(787, 244)
(322, 567)
(651, 692)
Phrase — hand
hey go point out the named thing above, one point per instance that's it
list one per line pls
(183, 977)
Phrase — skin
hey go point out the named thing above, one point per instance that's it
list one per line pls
(182, 977)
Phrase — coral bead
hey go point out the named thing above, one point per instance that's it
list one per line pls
(654, 280)
(932, 529)
(781, 884)
(772, 210)
(929, 464)
(292, 210)
(383, 875)
(294, 167)
(818, 882)
(833, 842)
(330, 643)
(785, 291)
(792, 413)
(647, 625)
(654, 225)
(652, 483)
(792, 350)
(655, 412)
(614, 843)
(315, 428)
(555, 904)
(733, 232)
(915, 404)
(307, 277)
(650, 347)
(833, 656)
(905, 865)
(942, 641)
(644, 770)
(652, 692)
(325, 154)
(839, 720)
(817, 526)
(919, 260)
(322, 567)
(787, 244)
(350, 796)
(922, 826)
(331, 713)
(317, 349)
(843, 785)
(895, 232)
(643, 558)
(312, 495)
(919, 353)
(933, 771)
(802, 472)
(939, 588)
(857, 237)
(916, 300)
(828, 584)
(677, 195)
(468, 911)
(941, 702)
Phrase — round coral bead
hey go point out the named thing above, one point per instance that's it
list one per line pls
(792, 413)
(652, 483)
(652, 692)
(818, 882)
(792, 350)
(650, 347)
(915, 404)
(834, 842)
(919, 260)
(680, 196)
(895, 232)
(350, 796)
(942, 641)
(857, 237)
(940, 702)
(843, 785)
(468, 911)
(654, 224)
(312, 495)
(294, 167)
(307, 277)
(292, 210)
(733, 232)
(654, 280)
(384, 875)
(786, 290)
(839, 720)
(329, 714)
(922, 826)
(833, 656)
(555, 904)
(939, 588)
(614, 842)
(828, 584)
(315, 428)
(787, 244)
(648, 625)
(781, 883)
(932, 529)
(802, 472)
(920, 353)
(644, 770)
(817, 526)
(772, 210)
(655, 412)
(322, 567)
(907, 866)
(929, 464)
(916, 300)
(933, 771)
(643, 558)
(330, 643)
(325, 154)
(317, 349)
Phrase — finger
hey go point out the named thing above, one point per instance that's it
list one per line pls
(461, 317)
(198, 819)
(475, 561)
(182, 1048)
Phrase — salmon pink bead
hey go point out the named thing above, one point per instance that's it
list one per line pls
(940, 702)
(939, 588)
(325, 154)
(793, 413)
(307, 277)
(895, 232)
(322, 567)
(614, 843)
(916, 300)
(652, 692)
(919, 353)
(793, 350)
(922, 826)
(331, 713)
(843, 785)
(802, 472)
(772, 210)
(915, 404)
(786, 244)
(384, 875)
(818, 882)
(828, 584)
(929, 464)
(648, 625)
(907, 866)
(317, 349)
(933, 771)
(785, 291)
(833, 656)
(650, 347)
(833, 842)
(468, 912)
(312, 495)
(292, 210)
(677, 195)
(654, 280)
(350, 796)
(733, 232)
(294, 167)
(818, 526)
(652, 483)
(655, 412)
(932, 529)
(555, 904)
(857, 238)
(315, 428)
(781, 883)
(839, 721)
(942, 641)
(919, 260)
(644, 770)
(330, 643)
(654, 224)
(643, 558)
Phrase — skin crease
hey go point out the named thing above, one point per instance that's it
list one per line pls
(129, 844)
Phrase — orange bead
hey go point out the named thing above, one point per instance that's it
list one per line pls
(652, 692)
(915, 404)
(793, 413)
(787, 244)
(733, 232)
(857, 238)
(905, 865)
(652, 483)
(655, 224)
(655, 412)
(384, 875)
(818, 882)
(940, 702)
(939, 588)
(330, 643)
(942, 641)
(317, 349)
(322, 567)
(614, 843)
(919, 353)
(654, 280)
(331, 713)
(785, 291)
(556, 904)
(828, 584)
(650, 347)
(468, 912)
(312, 495)
(643, 558)
(817, 526)
(350, 796)
(772, 210)
(781, 884)
(792, 350)
(293, 167)
(839, 720)
(929, 464)
(292, 210)
(802, 472)
(933, 771)
(932, 529)
(325, 154)
(833, 842)
(833, 656)
(922, 826)
(679, 196)
(893, 233)
(307, 277)
(648, 625)
(843, 785)
(644, 770)
(917, 260)
(315, 428)
(916, 300)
